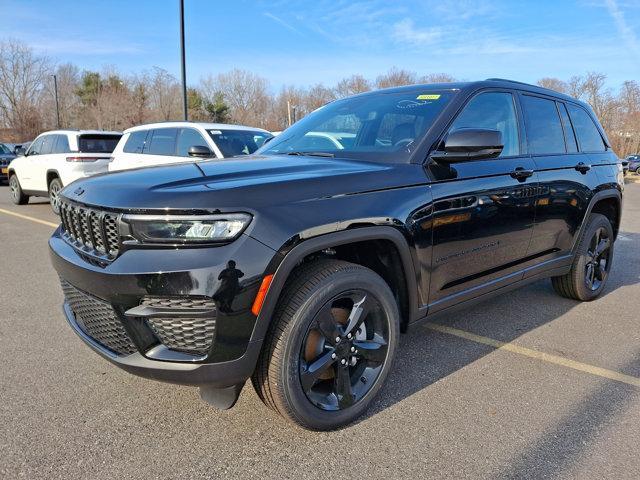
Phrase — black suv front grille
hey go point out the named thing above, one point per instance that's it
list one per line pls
(94, 231)
(98, 320)
(183, 333)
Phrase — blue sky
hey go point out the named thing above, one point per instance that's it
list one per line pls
(322, 41)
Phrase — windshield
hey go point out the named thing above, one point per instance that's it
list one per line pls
(98, 143)
(384, 127)
(238, 142)
(4, 149)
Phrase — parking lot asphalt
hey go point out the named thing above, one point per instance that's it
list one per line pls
(527, 385)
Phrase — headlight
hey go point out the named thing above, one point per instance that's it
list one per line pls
(187, 229)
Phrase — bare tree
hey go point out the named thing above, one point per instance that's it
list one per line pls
(437, 78)
(244, 92)
(395, 77)
(554, 84)
(164, 95)
(351, 86)
(22, 77)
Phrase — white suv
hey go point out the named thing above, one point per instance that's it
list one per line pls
(172, 142)
(57, 158)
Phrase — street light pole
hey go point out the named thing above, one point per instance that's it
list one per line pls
(55, 89)
(183, 64)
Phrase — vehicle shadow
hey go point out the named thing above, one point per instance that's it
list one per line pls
(426, 356)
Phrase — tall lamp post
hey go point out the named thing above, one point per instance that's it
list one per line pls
(55, 90)
(183, 64)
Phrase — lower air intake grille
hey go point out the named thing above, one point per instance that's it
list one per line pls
(98, 320)
(184, 334)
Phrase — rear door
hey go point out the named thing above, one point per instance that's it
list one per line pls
(566, 175)
(483, 210)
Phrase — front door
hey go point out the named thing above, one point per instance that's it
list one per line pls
(484, 210)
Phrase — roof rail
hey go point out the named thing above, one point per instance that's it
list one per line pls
(510, 81)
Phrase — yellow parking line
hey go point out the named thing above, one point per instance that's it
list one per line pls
(542, 356)
(25, 217)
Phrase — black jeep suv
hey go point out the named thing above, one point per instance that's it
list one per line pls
(299, 266)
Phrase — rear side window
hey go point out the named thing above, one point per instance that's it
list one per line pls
(61, 144)
(97, 143)
(589, 137)
(189, 137)
(544, 130)
(47, 144)
(135, 142)
(569, 136)
(163, 142)
(494, 111)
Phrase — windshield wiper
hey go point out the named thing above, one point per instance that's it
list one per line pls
(312, 154)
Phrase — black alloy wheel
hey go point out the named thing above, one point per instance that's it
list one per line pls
(597, 266)
(344, 350)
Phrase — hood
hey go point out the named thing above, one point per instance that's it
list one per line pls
(248, 183)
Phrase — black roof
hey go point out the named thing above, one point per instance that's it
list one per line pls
(490, 82)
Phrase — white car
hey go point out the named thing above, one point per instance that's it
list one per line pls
(57, 158)
(173, 142)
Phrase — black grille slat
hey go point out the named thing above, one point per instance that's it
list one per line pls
(95, 224)
(98, 320)
(189, 335)
(95, 232)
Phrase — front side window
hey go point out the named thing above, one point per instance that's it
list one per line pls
(163, 142)
(97, 143)
(233, 143)
(588, 134)
(48, 143)
(4, 149)
(544, 130)
(35, 147)
(382, 126)
(135, 142)
(492, 111)
(188, 137)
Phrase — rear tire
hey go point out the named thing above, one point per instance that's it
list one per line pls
(17, 197)
(592, 263)
(304, 372)
(54, 191)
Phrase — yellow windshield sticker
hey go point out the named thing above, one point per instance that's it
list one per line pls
(430, 96)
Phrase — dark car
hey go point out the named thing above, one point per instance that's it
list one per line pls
(634, 163)
(298, 268)
(6, 155)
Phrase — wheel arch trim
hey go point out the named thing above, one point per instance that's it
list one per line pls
(598, 196)
(291, 259)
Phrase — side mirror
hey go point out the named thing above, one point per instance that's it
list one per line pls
(267, 140)
(200, 151)
(19, 151)
(468, 144)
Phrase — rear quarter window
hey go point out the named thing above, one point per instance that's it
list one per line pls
(589, 137)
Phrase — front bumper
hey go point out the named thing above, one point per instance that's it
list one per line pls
(139, 274)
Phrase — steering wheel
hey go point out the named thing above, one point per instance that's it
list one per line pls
(403, 142)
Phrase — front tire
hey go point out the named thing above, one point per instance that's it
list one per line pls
(592, 263)
(17, 196)
(54, 195)
(330, 346)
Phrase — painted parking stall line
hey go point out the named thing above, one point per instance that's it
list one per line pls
(26, 217)
(535, 354)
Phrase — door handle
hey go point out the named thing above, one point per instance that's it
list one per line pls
(521, 173)
(583, 167)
